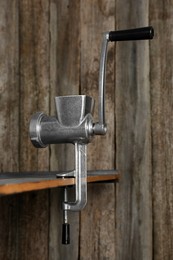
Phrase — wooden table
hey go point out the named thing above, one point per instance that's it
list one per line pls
(11, 183)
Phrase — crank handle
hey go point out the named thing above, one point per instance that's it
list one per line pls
(144, 33)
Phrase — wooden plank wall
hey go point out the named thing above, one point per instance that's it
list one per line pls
(95, 18)
(162, 129)
(50, 48)
(133, 138)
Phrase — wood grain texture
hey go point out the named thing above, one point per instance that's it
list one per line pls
(133, 136)
(9, 120)
(34, 77)
(33, 214)
(98, 241)
(50, 48)
(9, 86)
(64, 78)
(162, 127)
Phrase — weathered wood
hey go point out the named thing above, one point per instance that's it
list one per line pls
(98, 241)
(162, 127)
(133, 137)
(64, 78)
(50, 48)
(34, 77)
(9, 86)
(9, 120)
(9, 227)
(33, 213)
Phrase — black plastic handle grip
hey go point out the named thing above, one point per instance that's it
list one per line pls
(144, 33)
(65, 234)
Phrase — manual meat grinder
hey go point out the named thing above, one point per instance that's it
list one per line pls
(74, 124)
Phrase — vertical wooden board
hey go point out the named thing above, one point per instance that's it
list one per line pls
(96, 19)
(97, 234)
(162, 127)
(33, 226)
(64, 65)
(9, 119)
(9, 86)
(64, 78)
(133, 141)
(34, 77)
(9, 228)
(34, 96)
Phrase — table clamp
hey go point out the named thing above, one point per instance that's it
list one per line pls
(74, 124)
